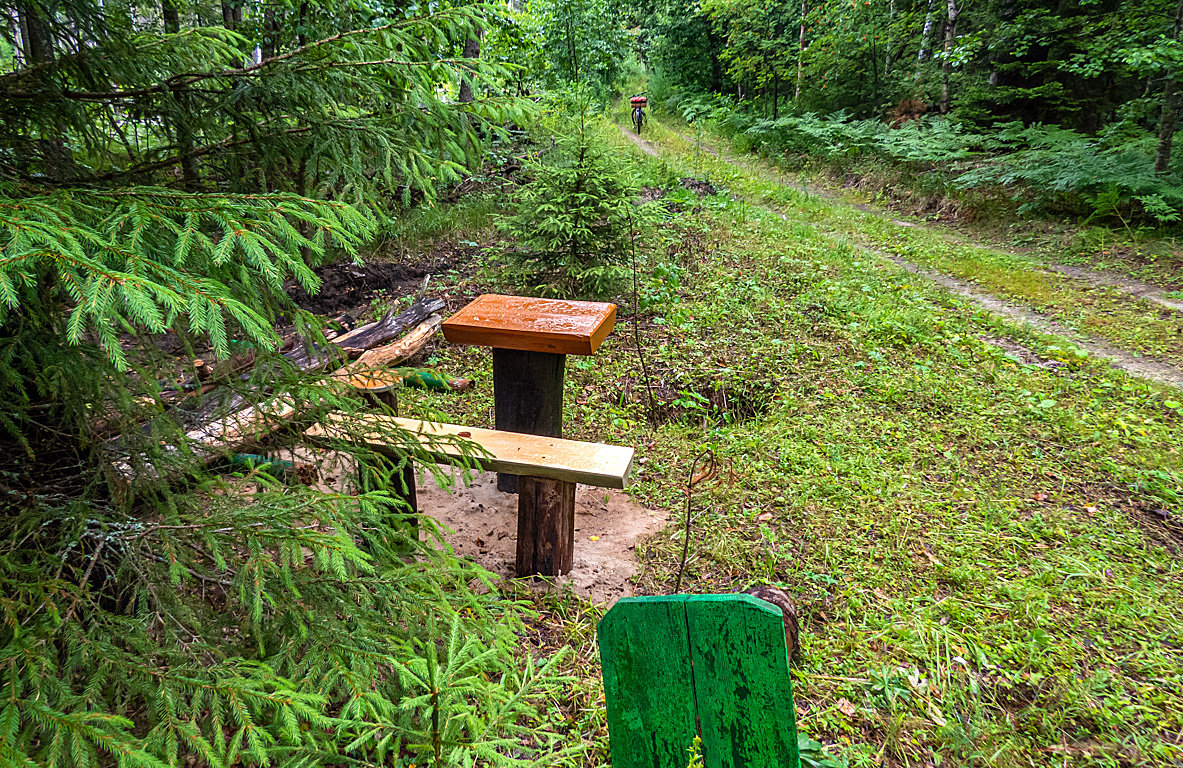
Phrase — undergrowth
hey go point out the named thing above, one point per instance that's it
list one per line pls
(1034, 168)
(983, 547)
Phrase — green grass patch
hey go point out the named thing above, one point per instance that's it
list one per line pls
(983, 540)
(1133, 324)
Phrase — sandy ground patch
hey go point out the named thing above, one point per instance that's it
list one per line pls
(483, 525)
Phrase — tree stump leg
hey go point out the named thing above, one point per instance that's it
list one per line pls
(527, 397)
(389, 398)
(546, 526)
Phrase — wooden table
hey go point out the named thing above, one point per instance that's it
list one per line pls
(531, 339)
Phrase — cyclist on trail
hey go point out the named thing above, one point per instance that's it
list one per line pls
(638, 103)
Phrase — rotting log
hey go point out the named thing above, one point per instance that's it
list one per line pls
(229, 424)
(395, 353)
(227, 434)
(309, 357)
(391, 326)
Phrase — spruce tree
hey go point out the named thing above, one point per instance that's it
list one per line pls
(168, 169)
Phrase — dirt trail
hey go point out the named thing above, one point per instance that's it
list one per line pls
(1127, 285)
(643, 145)
(1144, 367)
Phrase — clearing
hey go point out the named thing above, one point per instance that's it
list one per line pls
(980, 523)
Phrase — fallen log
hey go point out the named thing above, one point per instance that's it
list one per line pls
(391, 326)
(393, 354)
(228, 424)
(309, 357)
(228, 434)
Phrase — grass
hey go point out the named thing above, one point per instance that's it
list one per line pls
(1130, 323)
(985, 553)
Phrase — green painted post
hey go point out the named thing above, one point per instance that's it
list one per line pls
(741, 682)
(709, 665)
(647, 682)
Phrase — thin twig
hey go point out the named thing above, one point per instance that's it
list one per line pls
(710, 467)
(85, 578)
(637, 323)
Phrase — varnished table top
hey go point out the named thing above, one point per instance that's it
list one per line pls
(532, 324)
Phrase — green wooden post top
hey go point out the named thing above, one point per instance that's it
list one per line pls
(709, 665)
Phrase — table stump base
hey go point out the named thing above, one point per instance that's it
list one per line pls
(527, 397)
(546, 526)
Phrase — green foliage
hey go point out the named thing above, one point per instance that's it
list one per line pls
(280, 628)
(1044, 167)
(579, 41)
(1114, 177)
(150, 259)
(576, 219)
(167, 173)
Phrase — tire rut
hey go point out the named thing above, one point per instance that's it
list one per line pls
(1135, 365)
(1135, 288)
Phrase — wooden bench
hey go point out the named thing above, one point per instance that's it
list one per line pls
(549, 468)
(531, 339)
(712, 666)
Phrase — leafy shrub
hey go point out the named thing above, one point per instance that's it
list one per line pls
(1108, 176)
(1112, 177)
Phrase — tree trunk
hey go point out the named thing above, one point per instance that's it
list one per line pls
(925, 35)
(775, 95)
(172, 18)
(231, 15)
(172, 26)
(947, 64)
(270, 33)
(36, 34)
(801, 51)
(301, 21)
(472, 50)
(572, 53)
(1170, 109)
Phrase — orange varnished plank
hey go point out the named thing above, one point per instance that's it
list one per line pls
(515, 453)
(532, 324)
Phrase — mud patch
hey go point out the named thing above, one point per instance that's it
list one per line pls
(649, 194)
(608, 525)
(346, 286)
(699, 187)
(1022, 355)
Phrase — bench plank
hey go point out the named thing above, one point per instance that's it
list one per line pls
(606, 466)
(648, 682)
(741, 682)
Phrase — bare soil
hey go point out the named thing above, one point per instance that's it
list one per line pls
(482, 524)
(350, 287)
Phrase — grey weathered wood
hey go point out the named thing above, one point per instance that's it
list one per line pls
(546, 526)
(390, 327)
(527, 397)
